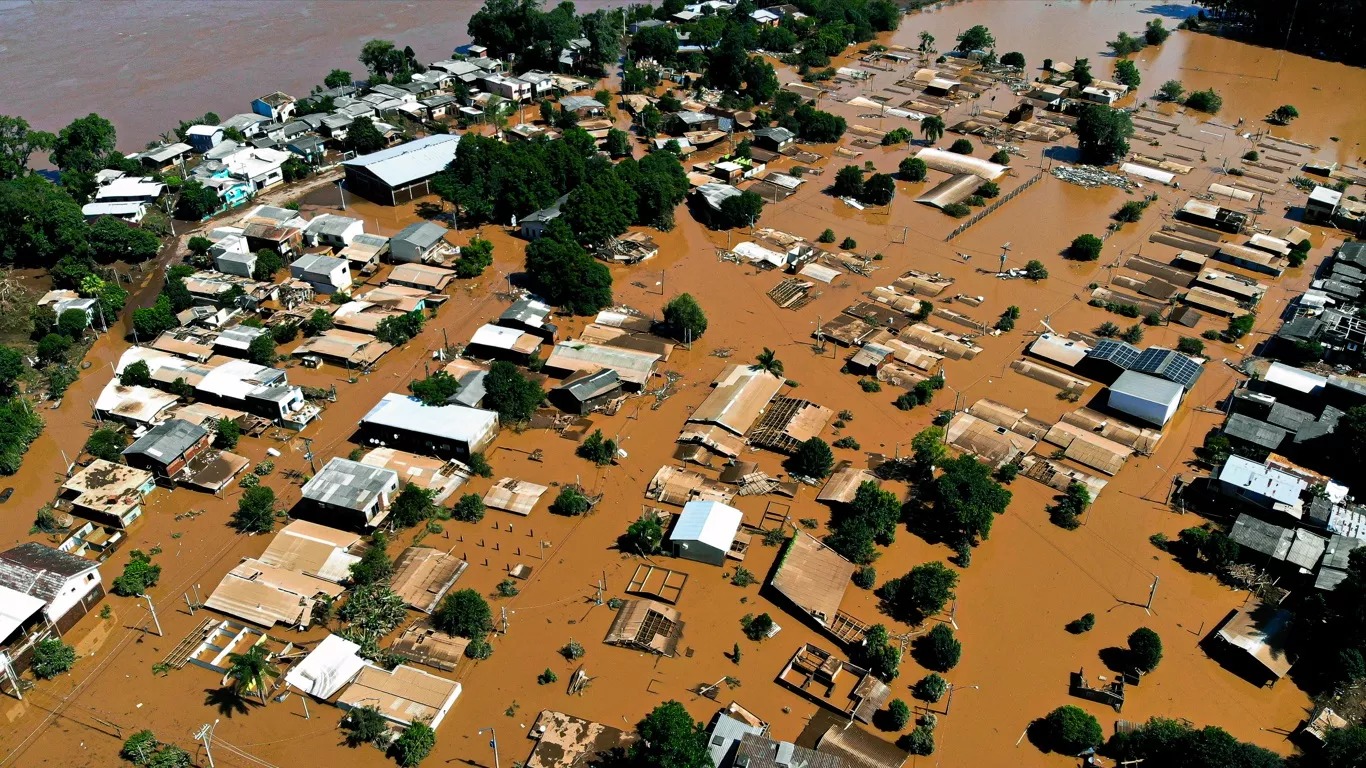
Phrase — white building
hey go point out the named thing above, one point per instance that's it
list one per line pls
(130, 189)
(417, 242)
(1147, 398)
(332, 230)
(451, 431)
(68, 585)
(327, 274)
(705, 531)
(261, 168)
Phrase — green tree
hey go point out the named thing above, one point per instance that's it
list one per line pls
(112, 240)
(1081, 72)
(414, 744)
(318, 322)
(469, 509)
(571, 502)
(961, 147)
(413, 505)
(913, 169)
(597, 449)
(1205, 101)
(938, 649)
(668, 736)
(642, 536)
(107, 443)
(1013, 59)
(1103, 134)
(80, 151)
(268, 265)
(251, 671)
(365, 725)
(196, 201)
(1168, 742)
(1284, 114)
(1344, 748)
(768, 361)
(1154, 33)
(399, 329)
(898, 715)
(475, 257)
(39, 224)
(964, 499)
(437, 389)
(261, 350)
(565, 275)
(18, 141)
(139, 748)
(338, 78)
(1067, 512)
(848, 182)
(381, 58)
(512, 395)
(976, 38)
(226, 433)
(1085, 248)
(879, 189)
(921, 593)
(1172, 90)
(599, 209)
(464, 613)
(1035, 270)
(1070, 730)
(51, 658)
(362, 137)
(139, 573)
(932, 128)
(812, 459)
(72, 323)
(684, 318)
(880, 654)
(52, 348)
(11, 367)
(255, 510)
(1145, 650)
(930, 688)
(618, 143)
(742, 210)
(375, 566)
(1126, 73)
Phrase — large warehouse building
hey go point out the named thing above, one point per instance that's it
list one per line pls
(403, 173)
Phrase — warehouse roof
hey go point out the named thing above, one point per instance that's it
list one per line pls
(411, 160)
(454, 422)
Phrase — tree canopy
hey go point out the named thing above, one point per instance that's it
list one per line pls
(812, 459)
(964, 499)
(514, 396)
(436, 389)
(670, 737)
(564, 274)
(1103, 134)
(921, 593)
(1161, 741)
(684, 318)
(464, 613)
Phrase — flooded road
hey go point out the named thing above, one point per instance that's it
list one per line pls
(1027, 581)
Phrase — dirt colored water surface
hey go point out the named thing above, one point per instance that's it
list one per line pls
(1024, 583)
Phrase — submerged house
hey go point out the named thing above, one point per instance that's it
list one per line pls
(402, 173)
(67, 586)
(705, 532)
(350, 494)
(451, 431)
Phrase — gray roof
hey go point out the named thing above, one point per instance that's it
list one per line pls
(1288, 418)
(243, 120)
(40, 571)
(527, 311)
(330, 224)
(423, 234)
(546, 214)
(776, 134)
(575, 103)
(1339, 550)
(726, 733)
(471, 391)
(239, 336)
(694, 118)
(593, 385)
(317, 263)
(1306, 549)
(166, 442)
(1255, 431)
(1326, 424)
(1261, 536)
(349, 484)
(1352, 252)
(716, 193)
(757, 751)
(1145, 387)
(167, 152)
(411, 160)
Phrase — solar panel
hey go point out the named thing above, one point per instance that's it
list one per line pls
(1168, 364)
(1121, 353)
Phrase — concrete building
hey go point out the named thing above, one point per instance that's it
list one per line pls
(347, 493)
(204, 137)
(1144, 397)
(69, 586)
(326, 274)
(417, 242)
(704, 531)
(167, 449)
(1322, 204)
(108, 493)
(1262, 486)
(332, 230)
(451, 431)
(534, 224)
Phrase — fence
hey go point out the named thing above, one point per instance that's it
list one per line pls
(997, 204)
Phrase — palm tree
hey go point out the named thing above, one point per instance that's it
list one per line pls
(250, 670)
(926, 42)
(932, 128)
(768, 361)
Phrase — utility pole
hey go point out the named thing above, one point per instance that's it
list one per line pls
(505, 620)
(1005, 249)
(341, 190)
(1151, 594)
(493, 742)
(952, 688)
(205, 734)
(308, 454)
(153, 608)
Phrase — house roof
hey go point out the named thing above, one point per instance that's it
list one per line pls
(237, 379)
(1255, 431)
(422, 576)
(167, 152)
(1295, 379)
(16, 608)
(317, 264)
(330, 665)
(1259, 630)
(1168, 364)
(757, 751)
(1260, 536)
(349, 484)
(40, 571)
(1262, 480)
(715, 193)
(648, 626)
(813, 576)
(738, 397)
(166, 442)
(312, 549)
(1145, 387)
(1059, 349)
(547, 214)
(453, 422)
(411, 160)
(421, 234)
(575, 103)
(135, 403)
(331, 224)
(404, 694)
(527, 311)
(266, 595)
(709, 522)
(502, 337)
(593, 385)
(631, 365)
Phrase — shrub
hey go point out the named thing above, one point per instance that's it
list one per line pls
(255, 511)
(138, 574)
(1190, 346)
(414, 744)
(107, 443)
(365, 725)
(930, 688)
(1130, 211)
(939, 650)
(1070, 730)
(1205, 101)
(1145, 650)
(570, 502)
(464, 613)
(898, 714)
(743, 577)
(957, 210)
(813, 459)
(508, 588)
(848, 243)
(870, 385)
(912, 169)
(1085, 248)
(1252, 156)
(573, 650)
(989, 189)
(1001, 157)
(547, 677)
(139, 748)
(1085, 624)
(1133, 334)
(961, 146)
(469, 509)
(52, 658)
(920, 741)
(865, 577)
(227, 434)
(828, 236)
(757, 627)
(597, 449)
(1006, 473)
(480, 465)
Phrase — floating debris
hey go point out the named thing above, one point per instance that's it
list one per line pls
(1089, 177)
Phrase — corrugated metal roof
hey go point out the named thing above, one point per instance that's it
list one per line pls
(350, 484)
(411, 160)
(709, 522)
(165, 442)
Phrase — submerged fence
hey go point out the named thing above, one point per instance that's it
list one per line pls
(997, 204)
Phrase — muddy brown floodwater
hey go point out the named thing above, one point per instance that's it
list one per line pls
(1025, 582)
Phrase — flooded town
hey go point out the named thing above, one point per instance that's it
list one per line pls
(833, 384)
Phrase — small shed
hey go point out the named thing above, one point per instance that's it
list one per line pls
(704, 531)
(1253, 638)
(648, 626)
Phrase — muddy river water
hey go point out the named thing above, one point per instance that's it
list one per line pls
(1025, 582)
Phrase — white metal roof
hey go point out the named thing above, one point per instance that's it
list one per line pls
(411, 160)
(1294, 378)
(709, 522)
(129, 208)
(496, 336)
(128, 186)
(1262, 480)
(1149, 388)
(135, 403)
(15, 609)
(327, 668)
(236, 379)
(454, 422)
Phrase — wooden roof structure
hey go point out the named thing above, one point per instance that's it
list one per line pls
(1089, 448)
(515, 496)
(646, 625)
(424, 644)
(422, 576)
(788, 423)
(813, 576)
